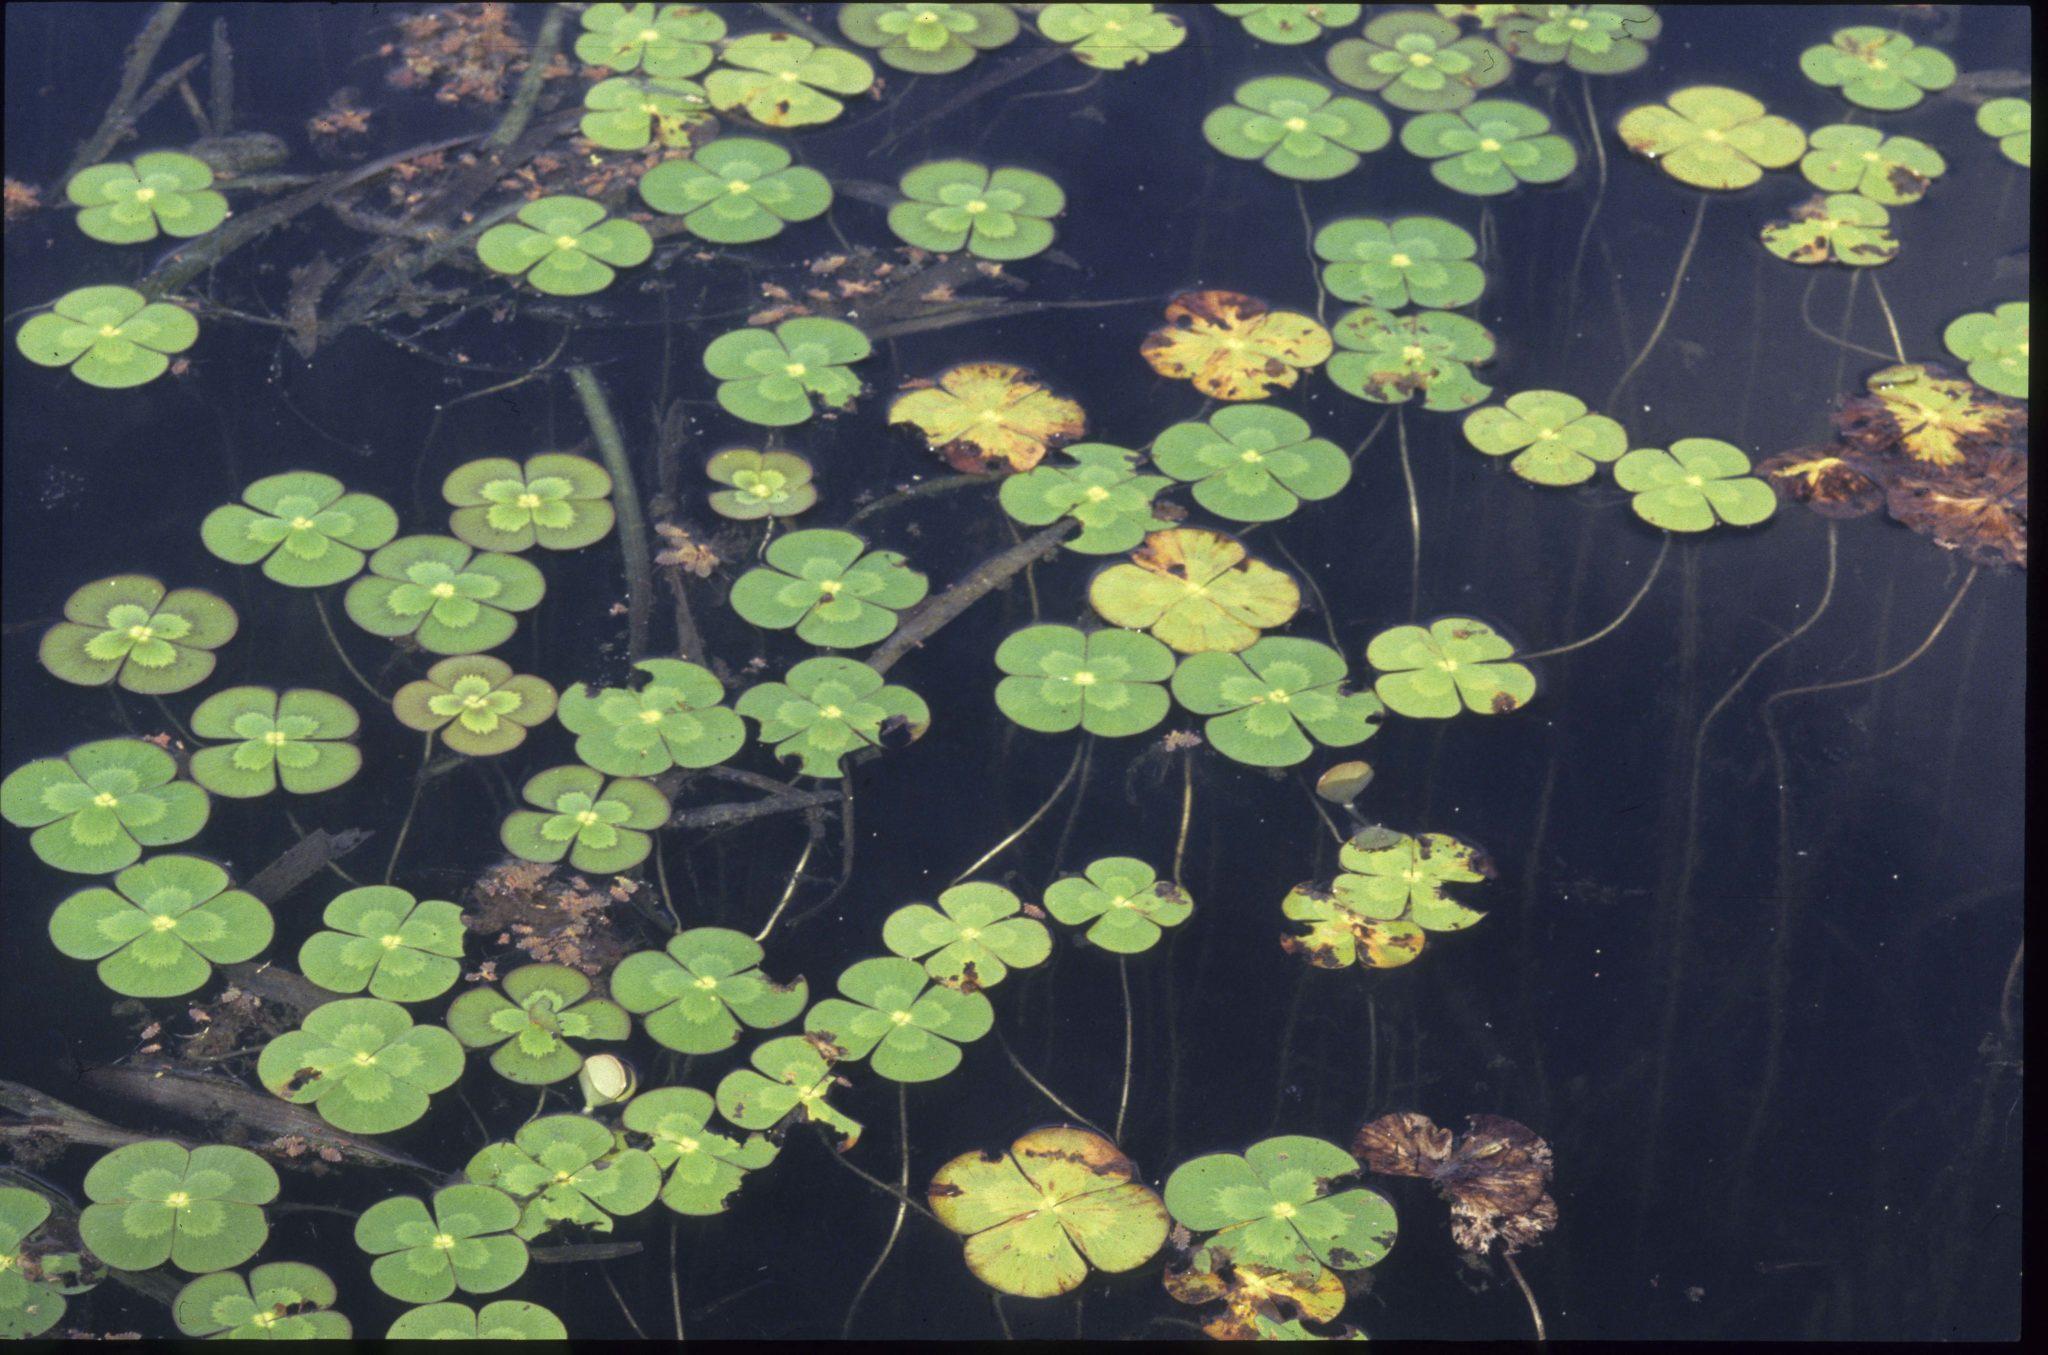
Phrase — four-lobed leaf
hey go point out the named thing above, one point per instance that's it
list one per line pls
(1195, 590)
(564, 245)
(1994, 344)
(450, 597)
(972, 939)
(304, 527)
(701, 1168)
(162, 927)
(1003, 214)
(984, 416)
(1407, 879)
(1552, 436)
(1489, 147)
(132, 631)
(380, 940)
(463, 1242)
(673, 719)
(1834, 228)
(1455, 664)
(1112, 37)
(1893, 170)
(567, 1169)
(789, 1077)
(1419, 260)
(1252, 463)
(1712, 137)
(554, 500)
(665, 41)
(1290, 25)
(201, 1209)
(770, 377)
(1107, 682)
(1232, 347)
(760, 484)
(736, 190)
(1269, 705)
(362, 1063)
(160, 192)
(697, 994)
(1418, 62)
(2011, 123)
(297, 738)
(1877, 68)
(827, 708)
(829, 587)
(601, 825)
(1387, 358)
(475, 704)
(1297, 128)
(925, 37)
(781, 80)
(278, 1301)
(95, 808)
(1099, 486)
(1595, 39)
(529, 1025)
(628, 113)
(1122, 901)
(1697, 483)
(110, 337)
(908, 1026)
(1275, 1206)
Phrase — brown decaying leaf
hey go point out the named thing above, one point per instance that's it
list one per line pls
(1831, 485)
(1496, 1175)
(1978, 510)
(1232, 346)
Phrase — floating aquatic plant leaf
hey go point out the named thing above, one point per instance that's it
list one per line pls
(465, 1243)
(297, 738)
(33, 1277)
(770, 377)
(972, 940)
(1347, 927)
(450, 597)
(1291, 24)
(1596, 39)
(1390, 264)
(984, 416)
(1099, 487)
(673, 720)
(1496, 1174)
(1038, 1217)
(696, 994)
(1930, 417)
(1252, 463)
(601, 825)
(626, 113)
(1994, 343)
(130, 630)
(1112, 37)
(667, 42)
(1344, 782)
(567, 1169)
(505, 1320)
(1388, 358)
(382, 940)
(1107, 682)
(1712, 137)
(1699, 482)
(781, 80)
(1831, 485)
(362, 1064)
(1836, 227)
(479, 706)
(794, 1078)
(555, 500)
(529, 1025)
(2011, 123)
(111, 337)
(760, 484)
(1258, 1302)
(307, 530)
(1297, 128)
(1123, 902)
(125, 204)
(1893, 170)
(162, 927)
(1457, 662)
(564, 246)
(1418, 62)
(280, 1301)
(1002, 214)
(826, 708)
(1274, 1206)
(1196, 590)
(1554, 439)
(1488, 147)
(736, 190)
(1406, 879)
(1877, 68)
(891, 1013)
(95, 808)
(1977, 509)
(1232, 347)
(830, 587)
(701, 1167)
(1267, 703)
(927, 38)
(200, 1209)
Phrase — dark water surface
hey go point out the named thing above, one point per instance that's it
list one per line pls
(1783, 1094)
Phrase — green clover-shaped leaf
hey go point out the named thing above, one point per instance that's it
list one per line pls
(1893, 170)
(736, 190)
(529, 1025)
(835, 592)
(891, 1013)
(760, 484)
(362, 1063)
(297, 738)
(162, 927)
(1388, 358)
(567, 1169)
(793, 1077)
(1552, 436)
(381, 940)
(1596, 39)
(1712, 137)
(673, 719)
(125, 204)
(450, 597)
(280, 1301)
(1267, 703)
(626, 113)
(1297, 128)
(1114, 36)
(1418, 62)
(781, 80)
(200, 1209)
(1252, 463)
(770, 377)
(1489, 147)
(465, 1243)
(1108, 682)
(695, 995)
(1406, 879)
(1994, 343)
(1457, 663)
(827, 708)
(1699, 482)
(1836, 227)
(1002, 214)
(1290, 25)
(95, 808)
(1390, 264)
(111, 337)
(1878, 68)
(927, 38)
(1274, 1205)
(2011, 123)
(564, 246)
(1097, 485)
(701, 1168)
(130, 630)
(601, 825)
(1195, 590)
(1123, 902)
(476, 704)
(972, 940)
(556, 501)
(668, 42)
(304, 527)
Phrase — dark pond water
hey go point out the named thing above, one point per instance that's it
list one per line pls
(1782, 1086)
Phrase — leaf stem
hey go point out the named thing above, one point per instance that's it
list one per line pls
(902, 1207)
(1656, 568)
(419, 780)
(1692, 241)
(1414, 520)
(327, 624)
(1123, 1096)
(1025, 827)
(1535, 1313)
(1890, 321)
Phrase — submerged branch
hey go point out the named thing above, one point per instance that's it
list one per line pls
(632, 518)
(990, 575)
(119, 122)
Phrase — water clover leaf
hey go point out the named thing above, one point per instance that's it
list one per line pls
(1346, 927)
(200, 1209)
(1003, 214)
(305, 528)
(505, 1320)
(564, 246)
(381, 940)
(1293, 24)
(1124, 902)
(1274, 1206)
(32, 1289)
(558, 501)
(972, 940)
(1255, 1298)
(362, 1063)
(829, 586)
(1407, 879)
(1196, 590)
(1488, 147)
(695, 995)
(1712, 137)
(793, 1078)
(1842, 227)
(1387, 358)
(989, 416)
(450, 597)
(780, 80)
(1297, 128)
(909, 1028)
(479, 706)
(2011, 123)
(736, 190)
(1457, 662)
(95, 808)
(1698, 482)
(1418, 62)
(1554, 439)
(1112, 37)
(297, 738)
(465, 1243)
(1038, 1217)
(1893, 170)
(165, 191)
(130, 630)
(769, 377)
(1252, 463)
(1596, 39)
(760, 484)
(826, 708)
(280, 1301)
(162, 927)
(673, 720)
(1994, 343)
(567, 1169)
(628, 114)
(671, 42)
(1232, 347)
(1390, 264)
(529, 1025)
(1107, 682)
(1931, 417)
(111, 337)
(1266, 703)
(601, 826)
(1099, 487)
(927, 38)
(1877, 68)
(1832, 486)
(702, 1168)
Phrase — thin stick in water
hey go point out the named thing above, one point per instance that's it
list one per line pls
(327, 625)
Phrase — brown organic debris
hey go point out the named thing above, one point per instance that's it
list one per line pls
(466, 53)
(1496, 1175)
(553, 916)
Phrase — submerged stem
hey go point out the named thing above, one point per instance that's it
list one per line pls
(902, 1207)
(1940, 625)
(1414, 520)
(1891, 321)
(1043, 1090)
(1025, 827)
(1692, 241)
(632, 520)
(795, 877)
(1123, 1097)
(1656, 568)
(1187, 814)
(1571, 290)
(1535, 1313)
(1308, 240)
(419, 780)
(327, 625)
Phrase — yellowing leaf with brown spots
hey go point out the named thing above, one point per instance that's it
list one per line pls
(987, 415)
(1232, 347)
